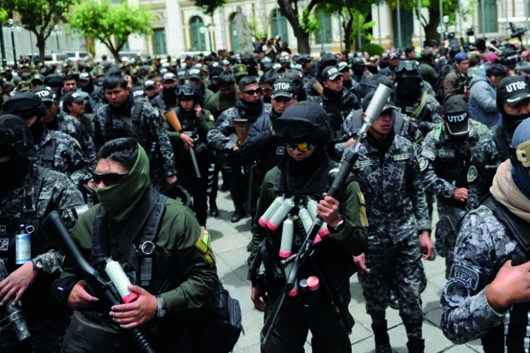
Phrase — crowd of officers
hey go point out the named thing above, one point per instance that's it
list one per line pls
(277, 129)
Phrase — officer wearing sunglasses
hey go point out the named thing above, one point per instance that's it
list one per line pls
(303, 177)
(223, 138)
(159, 244)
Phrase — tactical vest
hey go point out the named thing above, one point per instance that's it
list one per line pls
(452, 163)
(117, 126)
(136, 241)
(517, 319)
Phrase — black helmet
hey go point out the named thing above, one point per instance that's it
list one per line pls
(15, 137)
(304, 121)
(407, 69)
(188, 91)
(358, 61)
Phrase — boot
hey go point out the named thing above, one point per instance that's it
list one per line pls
(239, 213)
(382, 341)
(416, 345)
(214, 210)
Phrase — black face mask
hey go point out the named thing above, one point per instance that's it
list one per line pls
(37, 130)
(170, 95)
(267, 99)
(358, 72)
(408, 90)
(510, 122)
(12, 173)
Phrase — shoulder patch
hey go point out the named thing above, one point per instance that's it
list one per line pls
(472, 174)
(468, 277)
(428, 154)
(203, 244)
(423, 163)
(455, 293)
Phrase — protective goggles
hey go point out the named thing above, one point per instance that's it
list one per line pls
(302, 146)
(108, 178)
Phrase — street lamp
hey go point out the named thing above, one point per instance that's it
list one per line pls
(11, 25)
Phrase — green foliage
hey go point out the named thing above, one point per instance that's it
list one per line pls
(209, 6)
(310, 22)
(111, 24)
(372, 49)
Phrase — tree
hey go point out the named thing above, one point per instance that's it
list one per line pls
(351, 14)
(110, 24)
(432, 21)
(39, 16)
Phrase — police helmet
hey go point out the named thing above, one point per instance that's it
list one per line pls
(408, 69)
(358, 61)
(304, 121)
(15, 137)
(190, 92)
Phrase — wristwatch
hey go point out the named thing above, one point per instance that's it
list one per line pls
(338, 228)
(160, 306)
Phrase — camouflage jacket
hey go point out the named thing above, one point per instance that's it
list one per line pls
(82, 131)
(41, 192)
(62, 153)
(223, 136)
(481, 250)
(147, 128)
(447, 163)
(391, 183)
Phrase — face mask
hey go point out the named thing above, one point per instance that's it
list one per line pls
(408, 90)
(511, 122)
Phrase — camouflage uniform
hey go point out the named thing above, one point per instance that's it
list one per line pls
(146, 128)
(62, 153)
(446, 164)
(481, 250)
(82, 131)
(41, 192)
(397, 210)
(223, 138)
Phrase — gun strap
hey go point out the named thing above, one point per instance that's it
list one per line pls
(144, 220)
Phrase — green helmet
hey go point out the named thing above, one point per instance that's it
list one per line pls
(304, 121)
(15, 137)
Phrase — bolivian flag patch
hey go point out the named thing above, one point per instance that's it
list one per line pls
(203, 244)
(362, 210)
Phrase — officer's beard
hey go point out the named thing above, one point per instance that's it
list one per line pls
(230, 95)
(12, 173)
(170, 96)
(408, 90)
(37, 131)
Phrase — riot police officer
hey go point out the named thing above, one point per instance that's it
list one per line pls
(487, 294)
(302, 177)
(454, 162)
(28, 193)
(191, 147)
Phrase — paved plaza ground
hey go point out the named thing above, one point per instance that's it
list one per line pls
(229, 244)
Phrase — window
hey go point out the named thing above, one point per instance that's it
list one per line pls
(279, 25)
(234, 38)
(159, 41)
(323, 36)
(488, 16)
(198, 39)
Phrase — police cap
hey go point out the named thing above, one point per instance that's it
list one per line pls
(25, 105)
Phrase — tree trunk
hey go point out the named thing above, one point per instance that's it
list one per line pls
(289, 9)
(41, 45)
(303, 41)
(432, 26)
(348, 31)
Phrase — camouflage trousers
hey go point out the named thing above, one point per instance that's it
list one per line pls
(446, 233)
(397, 268)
